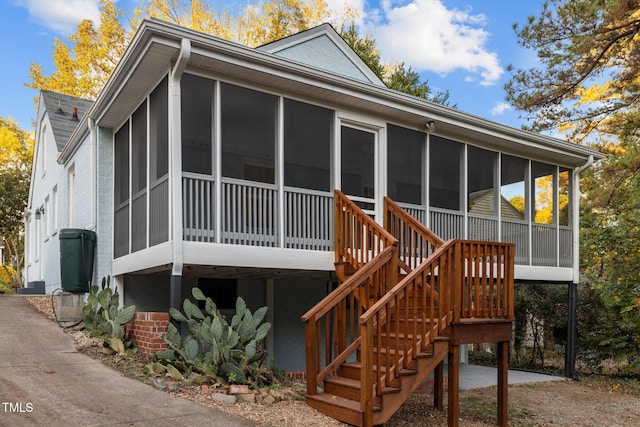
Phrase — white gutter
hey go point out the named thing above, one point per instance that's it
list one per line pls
(175, 152)
(576, 218)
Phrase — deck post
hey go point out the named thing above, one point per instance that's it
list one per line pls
(438, 386)
(503, 383)
(453, 394)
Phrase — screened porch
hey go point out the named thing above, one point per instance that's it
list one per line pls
(258, 169)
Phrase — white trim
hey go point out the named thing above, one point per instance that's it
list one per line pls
(216, 254)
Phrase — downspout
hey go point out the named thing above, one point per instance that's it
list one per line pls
(91, 123)
(576, 217)
(175, 152)
(570, 352)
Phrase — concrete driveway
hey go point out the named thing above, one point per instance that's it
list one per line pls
(45, 381)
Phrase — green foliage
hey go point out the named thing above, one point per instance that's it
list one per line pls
(541, 318)
(590, 61)
(104, 317)
(215, 349)
(16, 152)
(610, 248)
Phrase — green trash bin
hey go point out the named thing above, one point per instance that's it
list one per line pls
(77, 247)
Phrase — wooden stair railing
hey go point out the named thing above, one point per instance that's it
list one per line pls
(357, 237)
(332, 334)
(373, 341)
(415, 241)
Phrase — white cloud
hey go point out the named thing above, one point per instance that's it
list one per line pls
(500, 108)
(429, 37)
(61, 16)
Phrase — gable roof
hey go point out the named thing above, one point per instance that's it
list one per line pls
(59, 108)
(322, 47)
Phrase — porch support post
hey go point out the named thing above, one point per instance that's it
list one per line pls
(570, 351)
(503, 383)
(175, 295)
(453, 395)
(438, 386)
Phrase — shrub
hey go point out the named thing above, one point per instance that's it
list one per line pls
(214, 349)
(104, 317)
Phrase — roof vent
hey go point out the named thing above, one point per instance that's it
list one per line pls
(74, 114)
(59, 110)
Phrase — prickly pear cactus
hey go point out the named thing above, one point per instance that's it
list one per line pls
(229, 352)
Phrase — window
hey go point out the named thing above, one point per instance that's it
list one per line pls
(121, 192)
(307, 146)
(248, 121)
(197, 107)
(43, 146)
(481, 166)
(71, 185)
(358, 162)
(405, 172)
(47, 218)
(513, 203)
(543, 192)
(54, 210)
(445, 159)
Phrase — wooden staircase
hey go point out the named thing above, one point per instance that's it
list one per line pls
(407, 299)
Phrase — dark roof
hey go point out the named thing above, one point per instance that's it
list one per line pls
(59, 107)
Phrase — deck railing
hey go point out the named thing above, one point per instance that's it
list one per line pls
(393, 322)
(461, 280)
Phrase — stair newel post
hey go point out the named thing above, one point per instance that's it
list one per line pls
(456, 268)
(509, 279)
(366, 379)
(311, 356)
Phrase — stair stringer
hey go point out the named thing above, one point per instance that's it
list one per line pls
(391, 402)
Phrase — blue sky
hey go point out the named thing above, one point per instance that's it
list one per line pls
(460, 45)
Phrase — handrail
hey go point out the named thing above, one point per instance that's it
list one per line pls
(416, 241)
(461, 279)
(336, 317)
(358, 238)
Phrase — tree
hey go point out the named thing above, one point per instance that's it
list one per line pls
(610, 243)
(395, 76)
(589, 81)
(16, 150)
(253, 26)
(83, 70)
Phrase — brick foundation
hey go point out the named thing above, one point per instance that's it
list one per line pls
(146, 332)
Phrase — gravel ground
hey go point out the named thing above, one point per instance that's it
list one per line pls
(569, 403)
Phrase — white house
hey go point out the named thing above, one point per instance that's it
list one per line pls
(206, 163)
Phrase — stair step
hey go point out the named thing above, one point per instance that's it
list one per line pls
(350, 388)
(354, 369)
(345, 410)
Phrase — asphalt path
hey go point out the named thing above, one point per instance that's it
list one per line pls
(44, 381)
